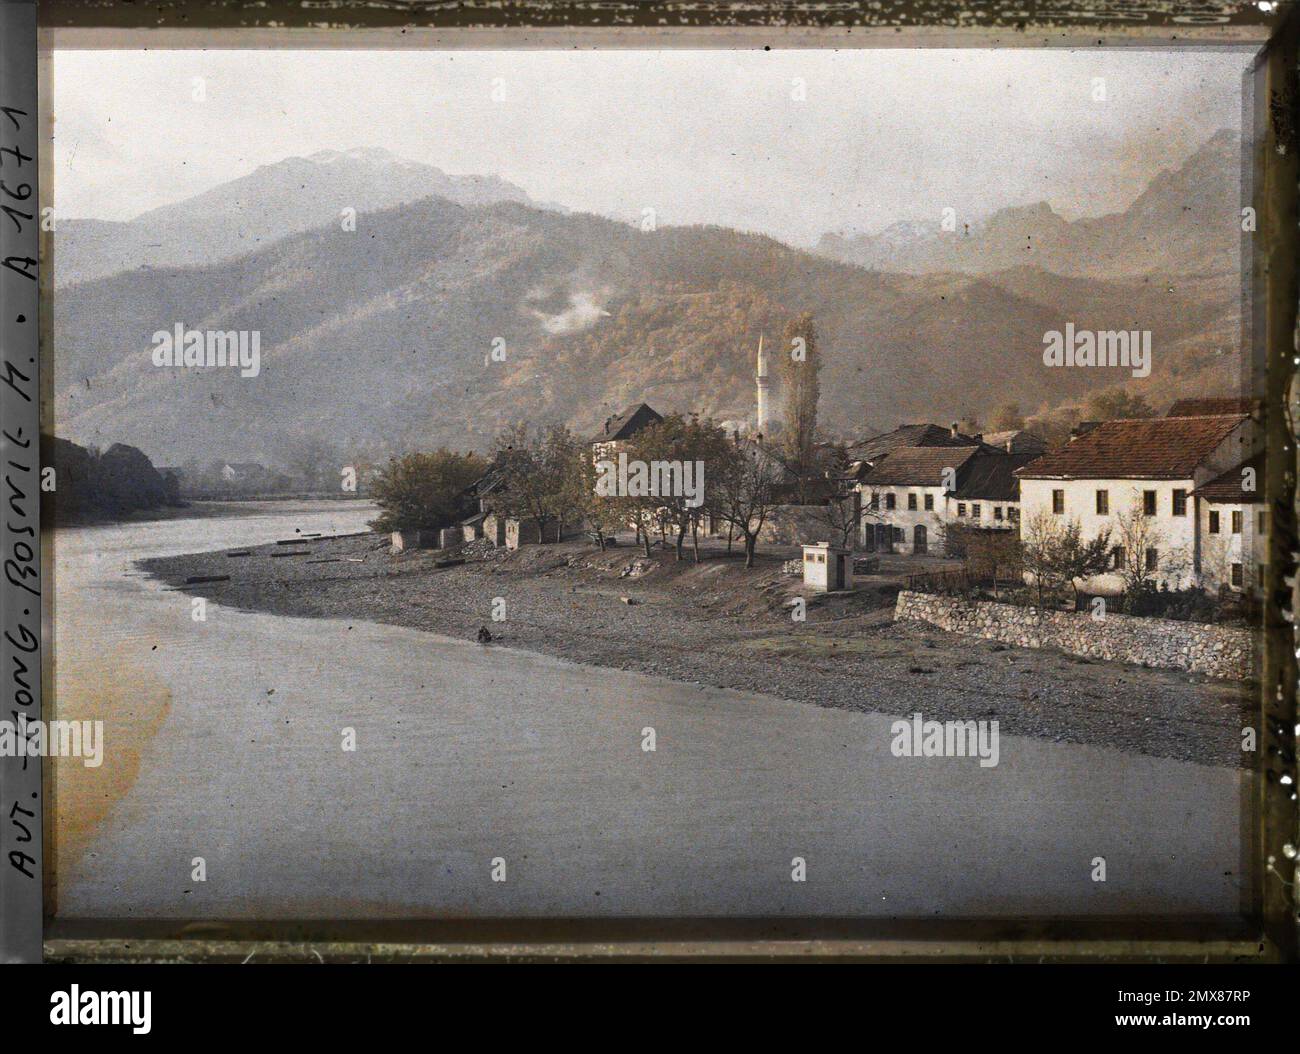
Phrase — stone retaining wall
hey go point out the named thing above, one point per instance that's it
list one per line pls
(1217, 651)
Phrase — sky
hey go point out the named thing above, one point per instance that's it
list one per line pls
(789, 143)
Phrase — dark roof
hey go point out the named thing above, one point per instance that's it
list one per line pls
(627, 424)
(915, 435)
(1227, 489)
(1149, 448)
(991, 477)
(918, 466)
(1014, 435)
(1204, 407)
(493, 478)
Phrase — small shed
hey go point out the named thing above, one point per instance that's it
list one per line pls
(494, 528)
(413, 539)
(827, 568)
(526, 532)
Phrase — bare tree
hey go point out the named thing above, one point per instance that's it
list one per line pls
(1142, 557)
(745, 492)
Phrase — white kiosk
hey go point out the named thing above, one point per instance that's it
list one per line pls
(827, 568)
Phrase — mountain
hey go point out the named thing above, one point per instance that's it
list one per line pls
(386, 339)
(1177, 226)
(270, 203)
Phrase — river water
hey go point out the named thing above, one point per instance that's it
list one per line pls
(471, 761)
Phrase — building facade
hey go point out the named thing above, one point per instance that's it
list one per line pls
(1140, 480)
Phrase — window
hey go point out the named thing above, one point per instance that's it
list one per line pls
(891, 501)
(961, 508)
(1117, 557)
(899, 534)
(997, 512)
(1236, 522)
(1103, 503)
(1214, 522)
(1180, 503)
(1152, 560)
(1262, 520)
(929, 503)
(1013, 513)
(1058, 502)
(975, 512)
(1148, 503)
(911, 501)
(1236, 576)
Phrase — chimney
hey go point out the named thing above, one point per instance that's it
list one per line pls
(953, 429)
(1009, 446)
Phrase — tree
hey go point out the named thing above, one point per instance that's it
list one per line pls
(537, 468)
(1113, 404)
(680, 444)
(844, 511)
(996, 555)
(1078, 559)
(799, 363)
(1007, 418)
(1038, 551)
(1139, 534)
(312, 459)
(603, 514)
(1056, 554)
(744, 490)
(424, 490)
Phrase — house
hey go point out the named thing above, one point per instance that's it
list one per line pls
(905, 496)
(870, 451)
(987, 493)
(526, 532)
(1015, 441)
(1153, 467)
(913, 493)
(1213, 406)
(243, 472)
(1233, 528)
(619, 428)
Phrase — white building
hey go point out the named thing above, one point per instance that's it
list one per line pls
(1234, 528)
(1147, 471)
(913, 492)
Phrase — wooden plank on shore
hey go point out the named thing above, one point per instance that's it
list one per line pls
(300, 552)
(198, 580)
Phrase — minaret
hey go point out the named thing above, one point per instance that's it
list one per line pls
(760, 378)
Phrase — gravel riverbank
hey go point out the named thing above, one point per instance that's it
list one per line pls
(717, 623)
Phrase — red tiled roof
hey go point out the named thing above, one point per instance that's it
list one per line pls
(1228, 489)
(1150, 448)
(1221, 405)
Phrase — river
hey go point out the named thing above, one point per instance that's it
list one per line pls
(225, 743)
